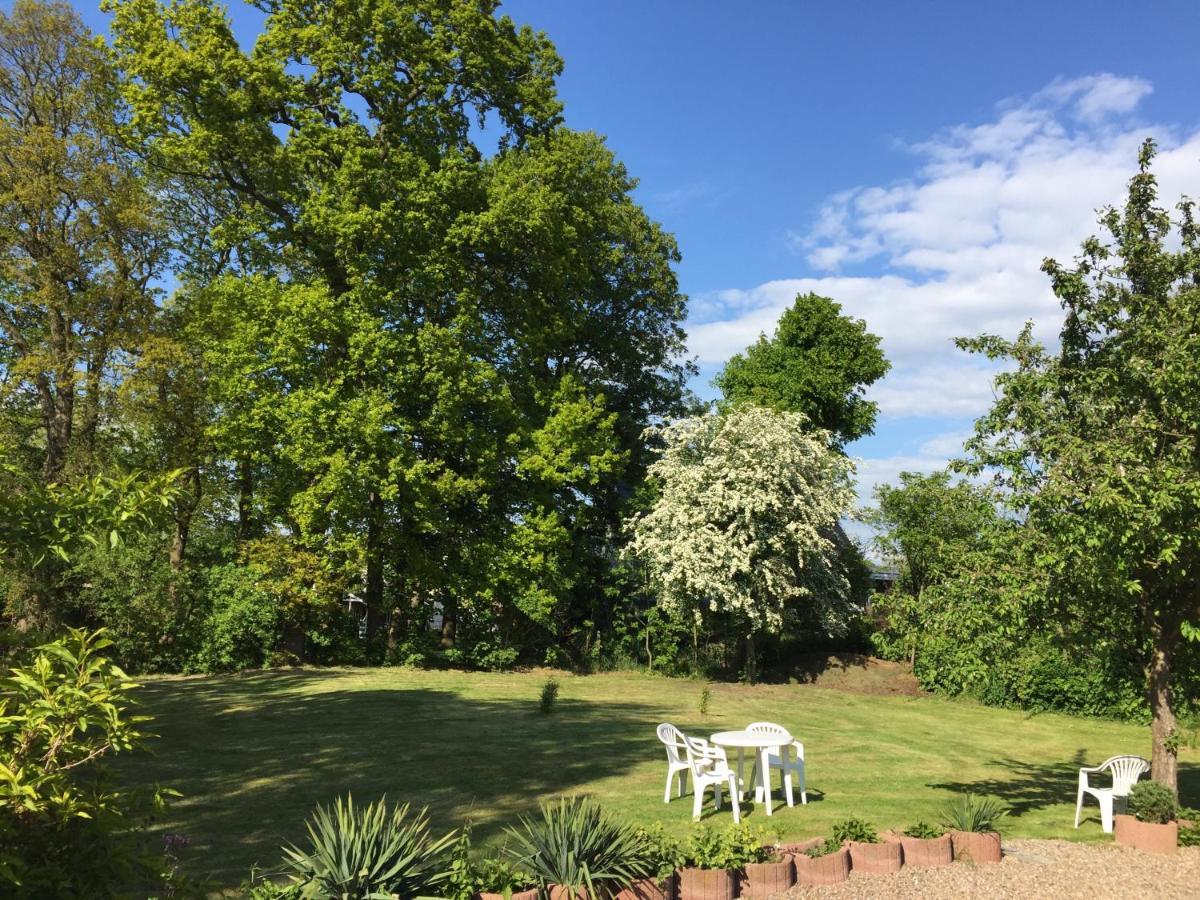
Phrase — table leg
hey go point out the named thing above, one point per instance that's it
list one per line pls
(741, 773)
(764, 774)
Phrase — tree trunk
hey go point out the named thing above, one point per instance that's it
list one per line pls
(1164, 762)
(449, 621)
(183, 529)
(374, 587)
(245, 499)
(751, 659)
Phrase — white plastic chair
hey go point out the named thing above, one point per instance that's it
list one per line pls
(780, 758)
(710, 768)
(1125, 771)
(677, 764)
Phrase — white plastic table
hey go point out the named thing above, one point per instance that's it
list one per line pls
(763, 744)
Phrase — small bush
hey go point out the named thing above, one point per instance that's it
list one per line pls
(1190, 837)
(574, 843)
(705, 700)
(662, 852)
(548, 697)
(732, 848)
(1153, 802)
(65, 829)
(369, 851)
(924, 831)
(830, 845)
(968, 812)
(855, 830)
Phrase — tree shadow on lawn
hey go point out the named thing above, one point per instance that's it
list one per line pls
(1033, 786)
(253, 755)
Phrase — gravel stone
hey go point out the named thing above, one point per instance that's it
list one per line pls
(1057, 869)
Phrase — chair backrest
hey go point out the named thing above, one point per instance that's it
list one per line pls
(700, 753)
(674, 740)
(1125, 771)
(770, 728)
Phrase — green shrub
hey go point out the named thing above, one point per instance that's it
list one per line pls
(855, 830)
(707, 848)
(705, 700)
(968, 812)
(924, 831)
(65, 830)
(1190, 836)
(467, 876)
(369, 851)
(243, 627)
(829, 845)
(574, 843)
(662, 852)
(548, 697)
(1153, 802)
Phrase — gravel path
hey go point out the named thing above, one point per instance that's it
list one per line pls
(1035, 869)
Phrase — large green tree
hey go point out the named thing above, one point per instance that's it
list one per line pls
(79, 242)
(405, 331)
(819, 363)
(1097, 444)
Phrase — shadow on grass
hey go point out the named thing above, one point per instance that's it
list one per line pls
(1032, 786)
(252, 755)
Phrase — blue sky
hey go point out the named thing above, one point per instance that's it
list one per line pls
(913, 161)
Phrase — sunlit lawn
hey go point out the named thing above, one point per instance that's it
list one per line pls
(252, 754)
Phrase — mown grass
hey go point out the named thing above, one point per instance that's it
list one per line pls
(253, 753)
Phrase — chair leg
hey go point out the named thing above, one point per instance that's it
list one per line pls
(803, 792)
(1106, 815)
(1078, 805)
(787, 787)
(737, 812)
(682, 781)
(717, 795)
(667, 793)
(697, 802)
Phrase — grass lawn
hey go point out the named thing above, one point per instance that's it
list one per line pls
(252, 754)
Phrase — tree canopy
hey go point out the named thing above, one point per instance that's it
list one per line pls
(819, 363)
(1095, 445)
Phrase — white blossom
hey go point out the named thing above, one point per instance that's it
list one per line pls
(749, 502)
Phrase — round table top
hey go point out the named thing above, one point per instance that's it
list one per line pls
(746, 739)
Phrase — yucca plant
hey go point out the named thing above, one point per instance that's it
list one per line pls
(576, 845)
(968, 812)
(375, 851)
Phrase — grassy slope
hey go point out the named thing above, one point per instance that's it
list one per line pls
(253, 753)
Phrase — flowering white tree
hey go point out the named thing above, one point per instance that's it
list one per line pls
(745, 520)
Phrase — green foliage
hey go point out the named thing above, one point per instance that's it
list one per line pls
(968, 812)
(574, 843)
(494, 875)
(705, 700)
(65, 830)
(855, 830)
(818, 363)
(376, 850)
(243, 626)
(1153, 802)
(924, 831)
(548, 697)
(663, 853)
(731, 848)
(1189, 836)
(829, 845)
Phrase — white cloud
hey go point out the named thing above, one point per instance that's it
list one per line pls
(956, 249)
